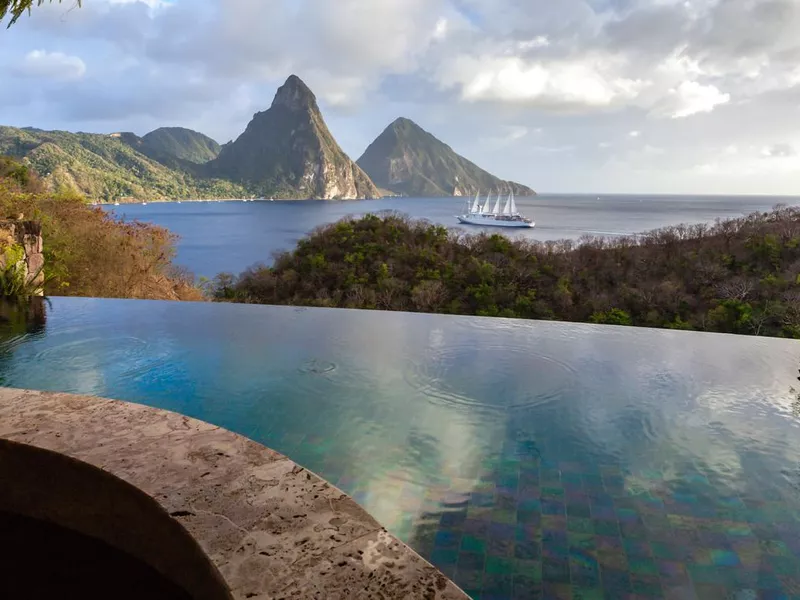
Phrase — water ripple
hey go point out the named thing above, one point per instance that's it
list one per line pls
(130, 357)
(499, 378)
(316, 367)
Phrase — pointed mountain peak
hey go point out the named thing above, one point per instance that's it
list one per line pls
(295, 95)
(401, 124)
(407, 159)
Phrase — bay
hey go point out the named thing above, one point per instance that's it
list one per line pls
(230, 236)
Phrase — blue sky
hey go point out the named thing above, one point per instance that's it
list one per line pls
(660, 96)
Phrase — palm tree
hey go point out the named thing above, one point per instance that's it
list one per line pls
(16, 7)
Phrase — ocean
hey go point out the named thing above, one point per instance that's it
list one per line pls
(230, 236)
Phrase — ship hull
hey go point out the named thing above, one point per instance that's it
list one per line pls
(490, 222)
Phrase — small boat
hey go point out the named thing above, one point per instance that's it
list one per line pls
(144, 203)
(496, 216)
(116, 203)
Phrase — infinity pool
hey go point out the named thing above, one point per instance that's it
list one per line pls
(523, 458)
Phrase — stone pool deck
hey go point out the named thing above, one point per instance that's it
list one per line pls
(218, 514)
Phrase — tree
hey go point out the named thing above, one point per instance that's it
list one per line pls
(16, 7)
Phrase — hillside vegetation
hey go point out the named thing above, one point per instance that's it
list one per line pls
(106, 167)
(88, 252)
(737, 276)
(177, 142)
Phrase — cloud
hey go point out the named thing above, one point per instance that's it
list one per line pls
(552, 86)
(697, 77)
(691, 98)
(51, 65)
(778, 151)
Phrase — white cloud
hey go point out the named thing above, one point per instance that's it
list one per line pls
(634, 133)
(691, 98)
(478, 72)
(440, 31)
(564, 84)
(540, 41)
(511, 134)
(52, 65)
(778, 151)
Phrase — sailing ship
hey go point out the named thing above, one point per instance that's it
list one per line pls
(487, 215)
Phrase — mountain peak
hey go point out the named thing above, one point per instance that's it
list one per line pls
(406, 159)
(287, 151)
(403, 124)
(294, 94)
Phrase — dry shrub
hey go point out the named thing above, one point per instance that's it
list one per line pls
(90, 253)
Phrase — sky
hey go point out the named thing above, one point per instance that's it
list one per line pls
(627, 96)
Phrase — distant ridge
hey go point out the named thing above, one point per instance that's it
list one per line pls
(109, 166)
(178, 142)
(406, 159)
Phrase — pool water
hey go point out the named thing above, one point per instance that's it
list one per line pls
(524, 459)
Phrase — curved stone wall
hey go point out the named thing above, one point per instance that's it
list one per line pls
(218, 514)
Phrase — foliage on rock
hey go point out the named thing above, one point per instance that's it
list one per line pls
(89, 253)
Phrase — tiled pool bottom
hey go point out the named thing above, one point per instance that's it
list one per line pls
(524, 459)
(536, 528)
(564, 532)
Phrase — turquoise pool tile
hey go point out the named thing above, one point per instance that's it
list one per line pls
(784, 565)
(637, 548)
(497, 565)
(555, 570)
(646, 586)
(526, 584)
(468, 579)
(471, 543)
(725, 558)
(529, 569)
(707, 574)
(447, 539)
(579, 511)
(580, 592)
(442, 557)
(530, 550)
(500, 547)
(550, 492)
(505, 516)
(710, 591)
(606, 527)
(497, 585)
(471, 561)
(579, 525)
(642, 566)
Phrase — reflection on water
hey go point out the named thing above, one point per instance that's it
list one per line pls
(519, 457)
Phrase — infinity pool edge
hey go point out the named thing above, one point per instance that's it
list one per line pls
(257, 524)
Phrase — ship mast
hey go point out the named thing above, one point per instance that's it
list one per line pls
(485, 210)
(496, 210)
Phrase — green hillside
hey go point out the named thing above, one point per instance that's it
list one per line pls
(177, 142)
(106, 167)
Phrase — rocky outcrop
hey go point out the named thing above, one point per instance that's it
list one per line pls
(287, 151)
(408, 160)
(21, 252)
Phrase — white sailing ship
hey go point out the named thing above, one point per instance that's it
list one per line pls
(487, 215)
